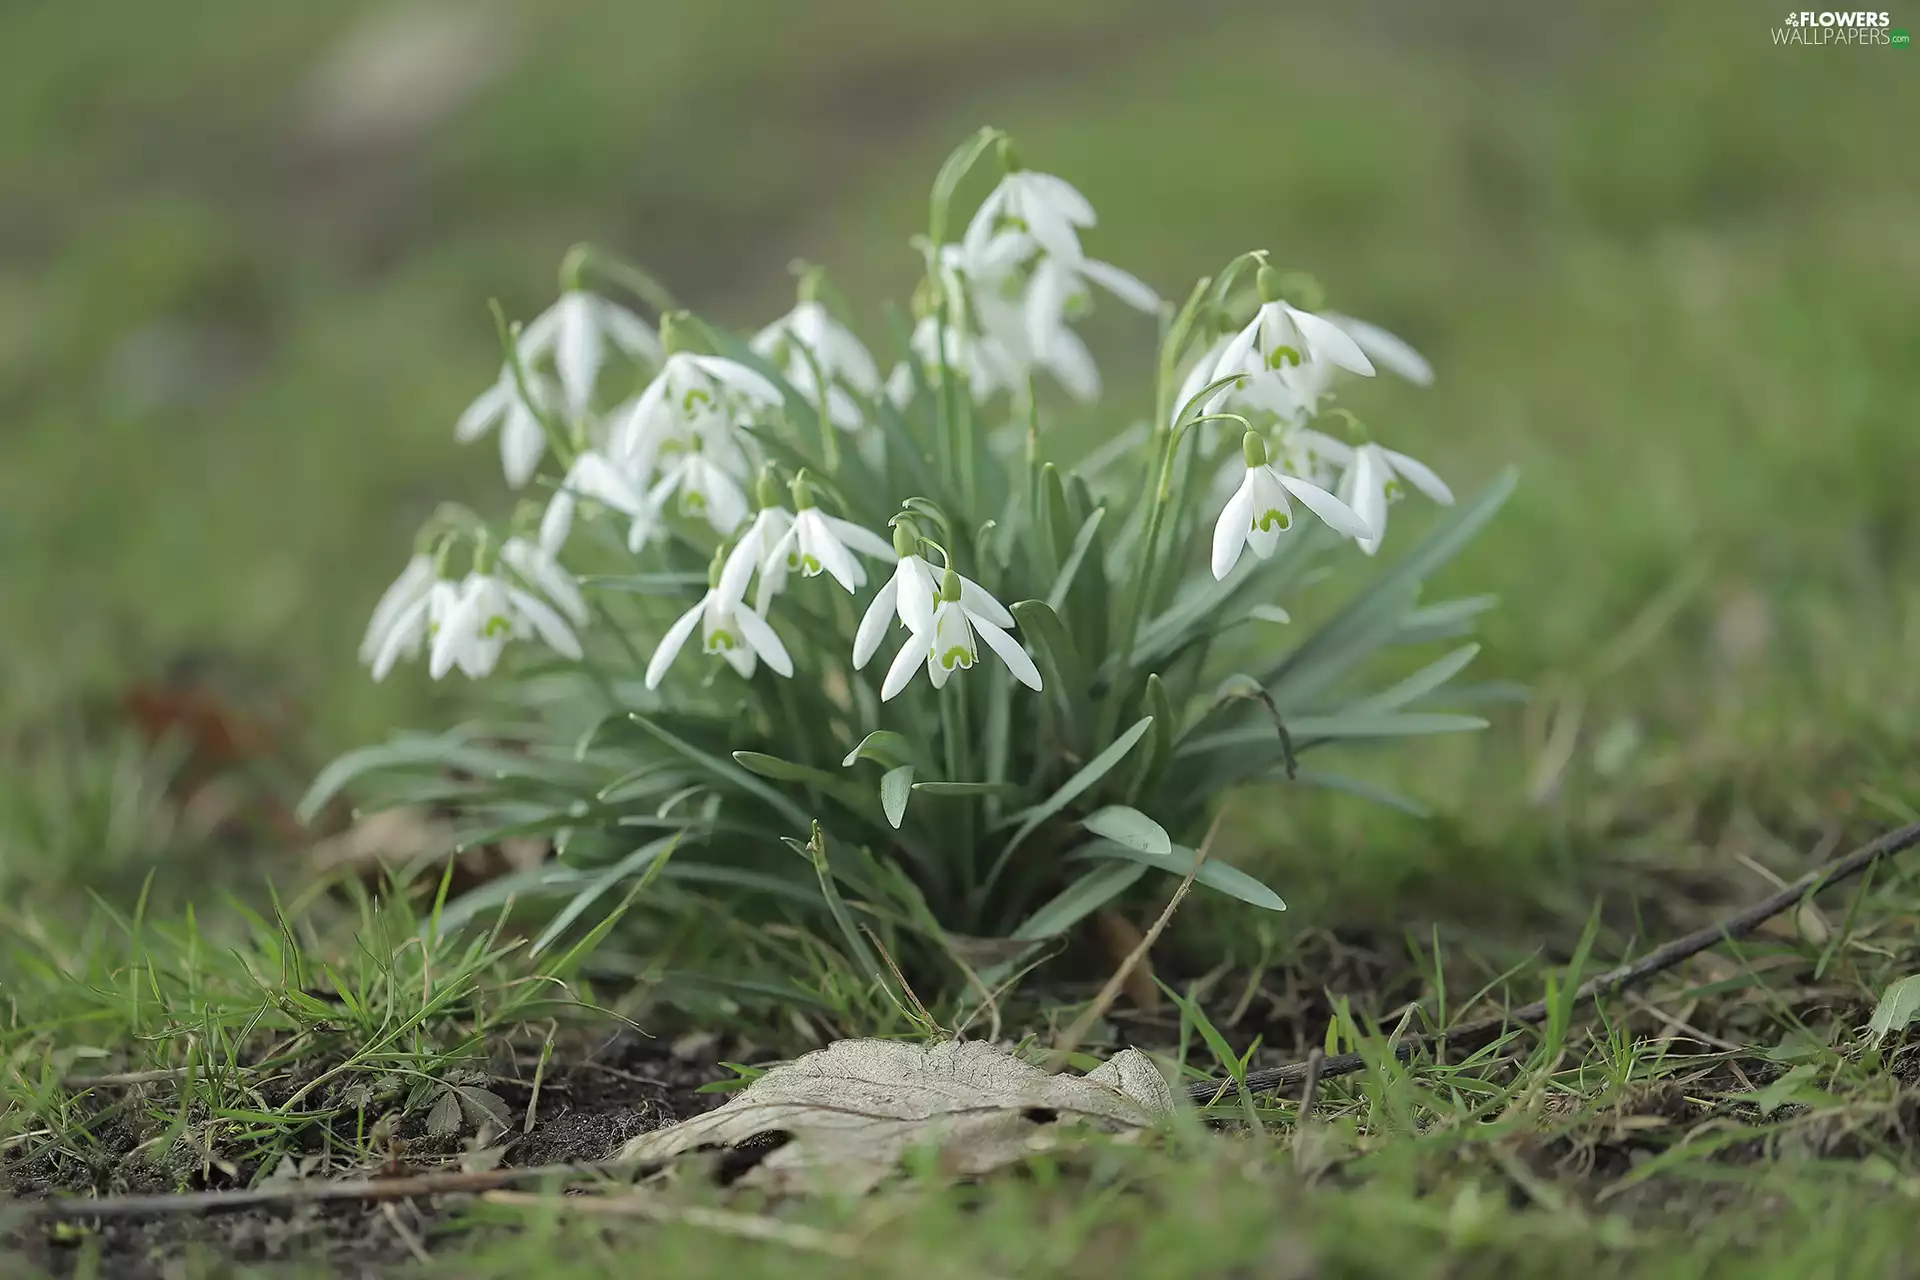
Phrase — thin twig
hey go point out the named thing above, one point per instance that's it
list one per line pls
(1075, 1033)
(1310, 1088)
(1659, 960)
(407, 1237)
(745, 1226)
(316, 1192)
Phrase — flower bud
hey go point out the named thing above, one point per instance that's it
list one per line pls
(672, 339)
(801, 490)
(766, 490)
(1254, 448)
(949, 585)
(906, 537)
(1268, 282)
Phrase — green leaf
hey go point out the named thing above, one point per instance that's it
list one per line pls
(939, 787)
(1128, 826)
(1372, 618)
(445, 751)
(883, 747)
(1214, 873)
(1420, 683)
(1358, 725)
(727, 772)
(640, 860)
(1079, 900)
(857, 950)
(1364, 789)
(957, 163)
(1063, 582)
(1058, 658)
(895, 789)
(1898, 1008)
(1074, 787)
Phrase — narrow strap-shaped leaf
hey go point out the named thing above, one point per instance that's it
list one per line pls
(778, 770)
(1062, 671)
(1079, 900)
(1076, 555)
(1213, 873)
(1343, 725)
(645, 860)
(1364, 789)
(728, 772)
(940, 787)
(1125, 825)
(1420, 683)
(1072, 789)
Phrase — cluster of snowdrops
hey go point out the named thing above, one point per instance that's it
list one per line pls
(993, 318)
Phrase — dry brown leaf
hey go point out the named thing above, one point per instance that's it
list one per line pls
(853, 1109)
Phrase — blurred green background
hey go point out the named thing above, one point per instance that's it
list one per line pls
(1668, 268)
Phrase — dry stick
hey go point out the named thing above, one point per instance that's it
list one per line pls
(1612, 982)
(1077, 1032)
(359, 1189)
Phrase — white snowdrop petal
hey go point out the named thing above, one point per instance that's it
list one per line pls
(1338, 516)
(856, 538)
(550, 626)
(1387, 349)
(912, 654)
(1422, 477)
(672, 642)
(1123, 285)
(979, 602)
(1010, 652)
(1328, 341)
(875, 622)
(522, 442)
(479, 417)
(765, 641)
(1230, 530)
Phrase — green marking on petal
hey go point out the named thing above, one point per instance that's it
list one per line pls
(1283, 355)
(722, 641)
(809, 566)
(497, 625)
(957, 656)
(693, 502)
(1273, 518)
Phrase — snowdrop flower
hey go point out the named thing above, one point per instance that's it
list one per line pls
(817, 542)
(911, 595)
(694, 400)
(754, 551)
(522, 439)
(809, 329)
(594, 478)
(727, 629)
(1060, 285)
(1045, 207)
(1373, 480)
(408, 590)
(1280, 336)
(946, 643)
(538, 569)
(576, 331)
(703, 479)
(487, 613)
(1259, 512)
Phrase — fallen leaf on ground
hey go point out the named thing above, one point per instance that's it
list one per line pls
(852, 1110)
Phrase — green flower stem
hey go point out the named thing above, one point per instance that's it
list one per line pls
(829, 443)
(1149, 554)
